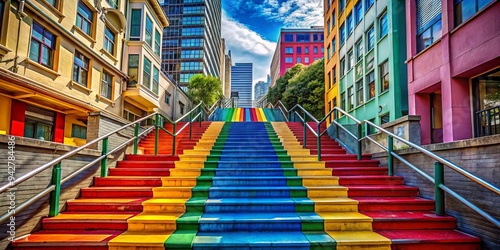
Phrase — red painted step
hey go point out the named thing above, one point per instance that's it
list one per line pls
(370, 180)
(116, 192)
(353, 171)
(105, 205)
(352, 163)
(403, 220)
(96, 224)
(431, 240)
(381, 191)
(394, 204)
(335, 157)
(145, 164)
(152, 158)
(139, 172)
(127, 181)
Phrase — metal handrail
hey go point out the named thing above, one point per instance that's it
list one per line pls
(438, 181)
(55, 187)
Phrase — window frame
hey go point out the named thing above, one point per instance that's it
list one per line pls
(360, 98)
(383, 75)
(82, 128)
(350, 98)
(42, 44)
(157, 43)
(146, 75)
(155, 86)
(381, 25)
(456, 3)
(370, 83)
(109, 85)
(371, 31)
(91, 23)
(342, 67)
(167, 97)
(148, 35)
(82, 58)
(358, 12)
(108, 40)
(359, 46)
(135, 37)
(113, 3)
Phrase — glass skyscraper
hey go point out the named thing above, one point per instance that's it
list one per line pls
(192, 43)
(241, 83)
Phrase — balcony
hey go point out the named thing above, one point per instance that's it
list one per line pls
(141, 96)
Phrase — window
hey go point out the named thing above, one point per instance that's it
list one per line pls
(109, 40)
(289, 50)
(334, 70)
(384, 118)
(329, 80)
(349, 23)
(113, 3)
(368, 4)
(315, 50)
(342, 67)
(135, 25)
(306, 60)
(149, 31)
(38, 123)
(130, 116)
(384, 25)
(334, 45)
(359, 50)
(299, 60)
(192, 54)
(342, 35)
(54, 3)
(133, 69)
(306, 50)
(193, 10)
(299, 50)
(342, 101)
(350, 60)
(328, 25)
(42, 45)
(181, 108)
(288, 37)
(303, 37)
(464, 9)
(81, 69)
(192, 42)
(167, 97)
(350, 98)
(193, 31)
(156, 80)
(146, 73)
(370, 82)
(333, 18)
(384, 76)
(157, 42)
(328, 52)
(370, 41)
(78, 131)
(106, 85)
(191, 65)
(358, 12)
(359, 92)
(84, 18)
(288, 60)
(341, 5)
(2, 4)
(428, 23)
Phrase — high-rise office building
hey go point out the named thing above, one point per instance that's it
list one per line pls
(192, 43)
(261, 88)
(296, 45)
(241, 83)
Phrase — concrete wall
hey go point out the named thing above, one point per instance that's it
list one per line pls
(478, 156)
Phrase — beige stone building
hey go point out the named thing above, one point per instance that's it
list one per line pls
(65, 66)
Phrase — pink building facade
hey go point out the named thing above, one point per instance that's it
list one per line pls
(453, 53)
(296, 46)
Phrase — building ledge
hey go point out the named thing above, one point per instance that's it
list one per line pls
(81, 32)
(4, 50)
(105, 100)
(78, 86)
(51, 72)
(109, 55)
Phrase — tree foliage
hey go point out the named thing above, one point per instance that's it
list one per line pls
(302, 85)
(205, 88)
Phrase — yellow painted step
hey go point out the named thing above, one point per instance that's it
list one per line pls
(154, 222)
(338, 204)
(178, 181)
(326, 191)
(196, 152)
(314, 171)
(185, 172)
(189, 164)
(92, 217)
(346, 221)
(354, 240)
(139, 241)
(172, 192)
(311, 181)
(163, 205)
(309, 164)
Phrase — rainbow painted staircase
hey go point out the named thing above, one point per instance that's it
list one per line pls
(248, 185)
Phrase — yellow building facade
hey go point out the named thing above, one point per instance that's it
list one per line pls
(63, 60)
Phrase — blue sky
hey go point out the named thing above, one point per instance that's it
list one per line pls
(251, 27)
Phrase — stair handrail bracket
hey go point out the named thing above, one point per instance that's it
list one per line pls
(56, 181)
(438, 179)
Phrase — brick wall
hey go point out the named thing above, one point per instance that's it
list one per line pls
(478, 156)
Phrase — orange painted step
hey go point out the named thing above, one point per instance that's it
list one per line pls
(80, 240)
(152, 157)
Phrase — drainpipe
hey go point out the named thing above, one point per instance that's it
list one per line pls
(20, 15)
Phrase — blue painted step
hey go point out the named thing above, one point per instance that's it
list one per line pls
(244, 181)
(255, 192)
(245, 205)
(252, 172)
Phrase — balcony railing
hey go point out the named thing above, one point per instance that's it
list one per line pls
(488, 122)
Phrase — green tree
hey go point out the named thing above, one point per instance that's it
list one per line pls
(302, 85)
(205, 88)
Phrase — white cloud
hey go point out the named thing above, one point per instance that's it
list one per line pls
(248, 47)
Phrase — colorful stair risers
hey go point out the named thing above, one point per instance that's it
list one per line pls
(396, 210)
(247, 115)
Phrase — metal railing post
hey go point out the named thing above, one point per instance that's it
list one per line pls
(438, 192)
(55, 195)
(157, 132)
(390, 158)
(190, 126)
(335, 117)
(305, 130)
(319, 141)
(174, 138)
(104, 161)
(360, 131)
(136, 136)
